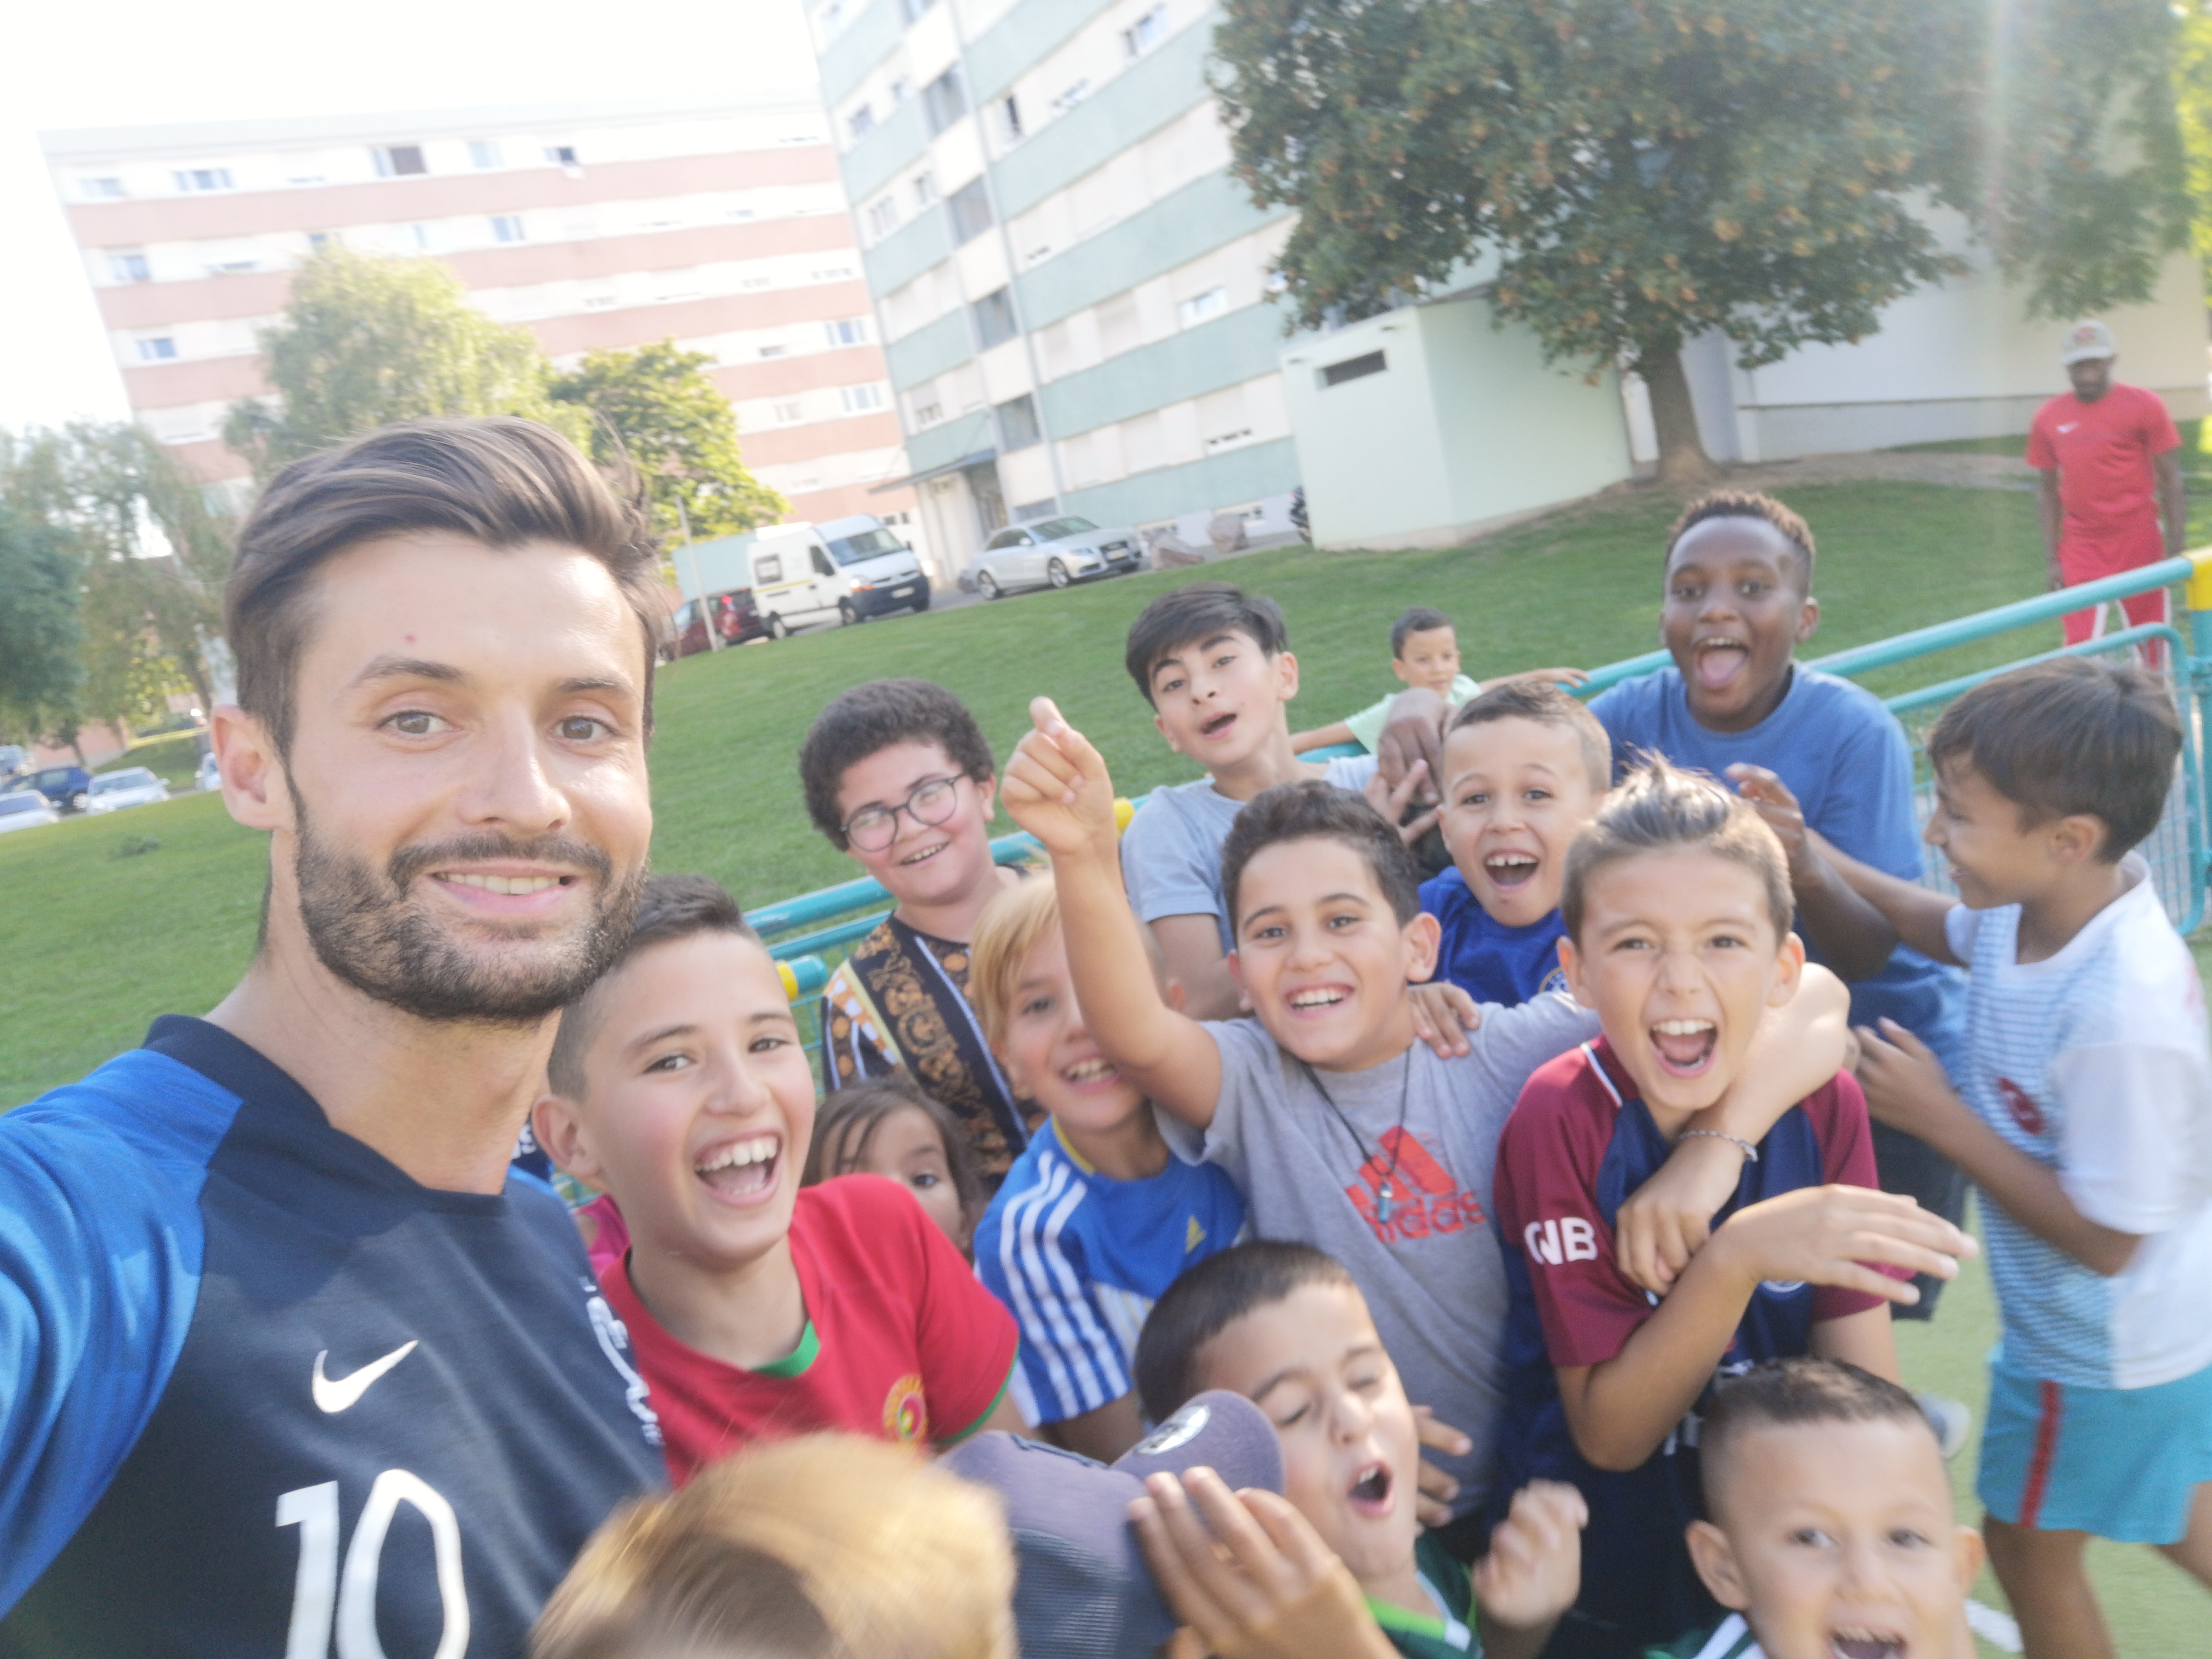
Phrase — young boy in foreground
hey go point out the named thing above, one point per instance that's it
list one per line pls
(1097, 1219)
(2086, 1120)
(1677, 909)
(1285, 1326)
(1424, 655)
(1525, 767)
(1736, 600)
(1342, 1128)
(1829, 1530)
(678, 1083)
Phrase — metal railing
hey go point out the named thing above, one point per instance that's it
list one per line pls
(805, 929)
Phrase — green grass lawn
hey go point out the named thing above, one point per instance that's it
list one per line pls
(102, 931)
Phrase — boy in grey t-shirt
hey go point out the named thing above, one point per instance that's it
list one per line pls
(1344, 1131)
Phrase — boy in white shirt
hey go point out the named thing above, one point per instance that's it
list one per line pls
(2086, 1120)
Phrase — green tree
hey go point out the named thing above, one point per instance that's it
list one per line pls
(365, 340)
(2192, 90)
(655, 408)
(1630, 173)
(40, 634)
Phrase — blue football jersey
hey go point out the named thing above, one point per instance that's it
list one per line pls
(261, 1392)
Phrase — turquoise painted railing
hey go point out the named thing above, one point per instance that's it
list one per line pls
(2178, 851)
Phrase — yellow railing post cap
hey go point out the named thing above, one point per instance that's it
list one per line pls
(2200, 579)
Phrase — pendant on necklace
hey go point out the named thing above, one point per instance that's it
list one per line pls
(1383, 1206)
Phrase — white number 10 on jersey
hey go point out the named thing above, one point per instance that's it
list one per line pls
(325, 1597)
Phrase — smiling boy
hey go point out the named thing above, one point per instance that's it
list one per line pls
(1677, 911)
(1737, 600)
(1342, 1129)
(1525, 766)
(679, 1082)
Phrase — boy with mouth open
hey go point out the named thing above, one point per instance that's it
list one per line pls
(1285, 1326)
(1832, 1533)
(1525, 766)
(1736, 600)
(1677, 910)
(1341, 1127)
(758, 1311)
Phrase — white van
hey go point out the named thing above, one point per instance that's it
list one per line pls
(849, 568)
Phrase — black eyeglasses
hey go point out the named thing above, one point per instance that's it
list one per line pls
(874, 828)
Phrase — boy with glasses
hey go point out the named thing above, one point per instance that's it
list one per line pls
(897, 774)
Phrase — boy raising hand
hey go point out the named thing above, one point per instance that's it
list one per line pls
(1343, 1130)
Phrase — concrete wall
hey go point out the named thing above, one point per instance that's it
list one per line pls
(1467, 427)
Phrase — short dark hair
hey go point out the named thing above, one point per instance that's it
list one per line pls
(1198, 611)
(849, 1120)
(1792, 1394)
(671, 907)
(1546, 705)
(1421, 619)
(1314, 810)
(1206, 1300)
(1659, 807)
(2068, 736)
(496, 479)
(1747, 504)
(868, 717)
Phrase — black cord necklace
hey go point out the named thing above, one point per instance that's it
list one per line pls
(1386, 1197)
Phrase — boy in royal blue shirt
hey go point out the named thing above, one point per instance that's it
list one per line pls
(1677, 909)
(1737, 600)
(1097, 1219)
(1525, 767)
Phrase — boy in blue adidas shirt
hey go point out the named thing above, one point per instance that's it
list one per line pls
(1096, 1218)
(1677, 906)
(1525, 766)
(2084, 1113)
(1736, 601)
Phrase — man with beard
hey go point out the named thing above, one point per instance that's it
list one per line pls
(288, 1360)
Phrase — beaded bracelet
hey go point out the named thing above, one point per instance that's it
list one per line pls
(1750, 1153)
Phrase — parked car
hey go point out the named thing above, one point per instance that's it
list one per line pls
(799, 577)
(26, 809)
(736, 619)
(1052, 553)
(66, 786)
(134, 786)
(210, 776)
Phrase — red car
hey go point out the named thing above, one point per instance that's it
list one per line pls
(736, 619)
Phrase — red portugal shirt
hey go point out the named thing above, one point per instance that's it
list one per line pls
(2103, 454)
(901, 1342)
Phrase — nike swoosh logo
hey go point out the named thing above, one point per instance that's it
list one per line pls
(336, 1395)
(2069, 427)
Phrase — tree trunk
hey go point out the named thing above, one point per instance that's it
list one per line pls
(1682, 458)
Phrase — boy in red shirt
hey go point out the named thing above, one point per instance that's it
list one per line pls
(679, 1084)
(2108, 457)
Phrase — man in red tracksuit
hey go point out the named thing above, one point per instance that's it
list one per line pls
(2109, 456)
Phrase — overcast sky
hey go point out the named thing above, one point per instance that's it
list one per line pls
(121, 62)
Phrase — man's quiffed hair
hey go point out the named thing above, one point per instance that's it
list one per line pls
(496, 479)
(2070, 736)
(1205, 1301)
(1797, 1394)
(671, 907)
(1747, 504)
(1660, 808)
(1546, 705)
(1421, 619)
(869, 718)
(1314, 810)
(1192, 614)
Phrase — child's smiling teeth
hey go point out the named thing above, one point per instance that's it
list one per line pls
(1719, 659)
(926, 853)
(1863, 1644)
(1684, 1045)
(741, 1166)
(1320, 996)
(1097, 1069)
(1509, 869)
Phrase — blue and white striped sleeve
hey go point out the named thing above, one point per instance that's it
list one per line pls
(1033, 1260)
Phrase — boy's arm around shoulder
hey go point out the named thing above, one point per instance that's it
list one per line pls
(1056, 787)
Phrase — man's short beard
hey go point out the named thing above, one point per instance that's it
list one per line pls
(368, 928)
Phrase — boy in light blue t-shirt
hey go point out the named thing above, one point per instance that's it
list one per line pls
(1096, 1218)
(1737, 599)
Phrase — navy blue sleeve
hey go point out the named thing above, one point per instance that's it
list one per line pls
(101, 1246)
(1867, 810)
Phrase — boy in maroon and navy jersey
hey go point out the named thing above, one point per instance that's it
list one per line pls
(1678, 910)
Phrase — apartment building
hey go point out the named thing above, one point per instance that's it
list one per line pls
(604, 225)
(1073, 292)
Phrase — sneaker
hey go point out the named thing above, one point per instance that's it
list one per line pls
(1952, 1419)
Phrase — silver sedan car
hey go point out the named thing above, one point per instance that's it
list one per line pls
(26, 809)
(1053, 553)
(134, 786)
